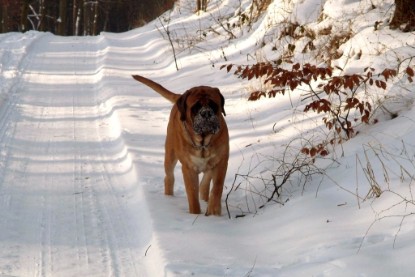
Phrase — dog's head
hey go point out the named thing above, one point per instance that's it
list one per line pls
(202, 107)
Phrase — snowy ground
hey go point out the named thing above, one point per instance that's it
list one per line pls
(81, 152)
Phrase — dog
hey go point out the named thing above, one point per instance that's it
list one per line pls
(197, 136)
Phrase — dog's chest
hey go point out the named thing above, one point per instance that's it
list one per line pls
(202, 164)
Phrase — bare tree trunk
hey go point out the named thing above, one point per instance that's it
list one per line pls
(90, 10)
(85, 9)
(94, 8)
(42, 15)
(201, 5)
(4, 18)
(24, 22)
(106, 20)
(74, 17)
(404, 15)
(61, 30)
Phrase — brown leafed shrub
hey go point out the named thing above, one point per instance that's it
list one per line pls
(338, 97)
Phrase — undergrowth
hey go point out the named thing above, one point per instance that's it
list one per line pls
(344, 102)
(341, 99)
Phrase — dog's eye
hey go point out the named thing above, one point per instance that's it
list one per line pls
(213, 106)
(196, 107)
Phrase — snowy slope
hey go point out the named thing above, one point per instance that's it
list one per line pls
(81, 153)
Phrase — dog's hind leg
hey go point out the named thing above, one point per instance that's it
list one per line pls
(170, 162)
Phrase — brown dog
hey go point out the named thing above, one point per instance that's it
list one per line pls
(197, 136)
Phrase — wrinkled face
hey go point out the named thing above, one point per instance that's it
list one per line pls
(201, 107)
(205, 117)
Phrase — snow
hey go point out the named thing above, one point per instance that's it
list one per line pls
(81, 152)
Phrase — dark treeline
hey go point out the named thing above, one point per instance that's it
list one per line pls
(78, 17)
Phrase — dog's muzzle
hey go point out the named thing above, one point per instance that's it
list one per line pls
(206, 122)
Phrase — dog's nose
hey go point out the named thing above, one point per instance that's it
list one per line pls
(206, 112)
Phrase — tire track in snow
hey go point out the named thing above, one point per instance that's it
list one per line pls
(110, 133)
(104, 226)
(71, 204)
(14, 63)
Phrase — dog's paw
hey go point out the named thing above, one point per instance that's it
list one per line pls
(214, 211)
(195, 210)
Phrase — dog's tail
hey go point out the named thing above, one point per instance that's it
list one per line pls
(171, 96)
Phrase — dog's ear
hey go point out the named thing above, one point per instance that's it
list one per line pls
(222, 102)
(181, 105)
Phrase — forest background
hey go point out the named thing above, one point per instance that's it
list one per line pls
(78, 17)
(90, 17)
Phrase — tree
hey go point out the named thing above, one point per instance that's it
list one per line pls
(201, 5)
(42, 15)
(91, 17)
(404, 15)
(4, 16)
(61, 30)
(24, 23)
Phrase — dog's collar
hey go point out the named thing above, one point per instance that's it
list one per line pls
(195, 146)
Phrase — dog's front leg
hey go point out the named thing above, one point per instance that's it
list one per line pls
(215, 197)
(191, 183)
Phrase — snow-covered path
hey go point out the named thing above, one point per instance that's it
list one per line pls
(82, 165)
(82, 146)
(65, 177)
